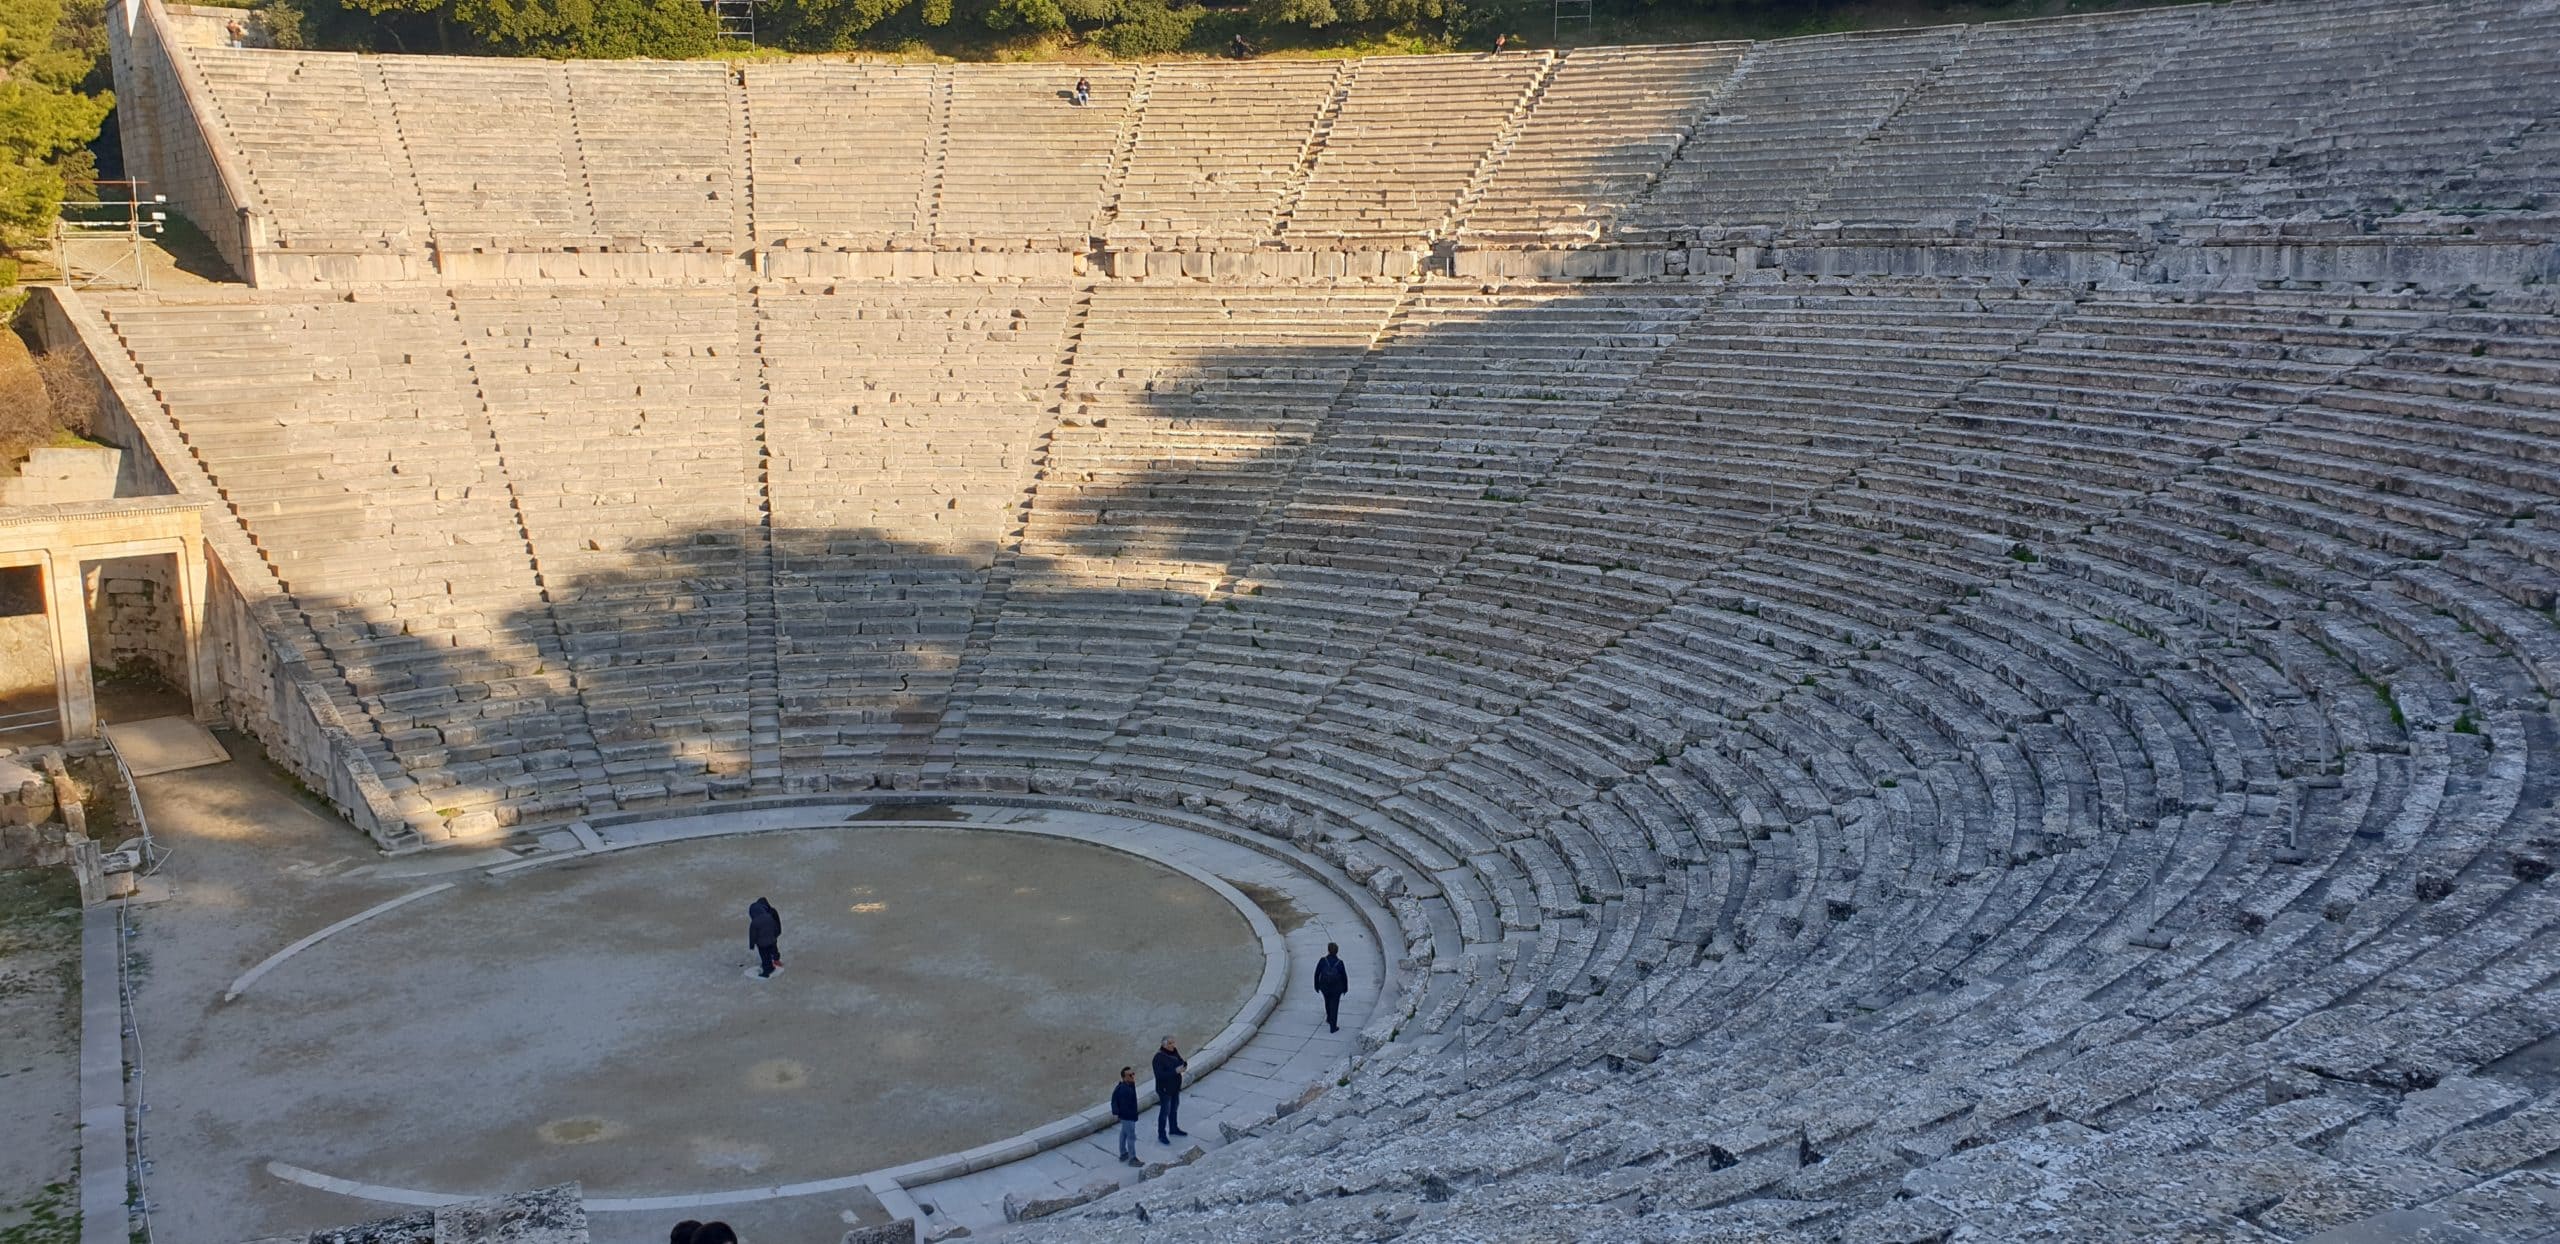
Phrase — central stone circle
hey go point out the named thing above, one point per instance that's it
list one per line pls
(600, 1019)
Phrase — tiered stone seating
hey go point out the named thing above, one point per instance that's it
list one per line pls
(347, 439)
(1894, 758)
(1684, 628)
(2251, 75)
(2274, 108)
(1022, 166)
(661, 144)
(2051, 803)
(900, 420)
(842, 155)
(495, 152)
(2016, 94)
(1794, 109)
(1216, 148)
(314, 133)
(1186, 407)
(2518, 177)
(1466, 408)
(1604, 128)
(2458, 88)
(1410, 136)
(625, 420)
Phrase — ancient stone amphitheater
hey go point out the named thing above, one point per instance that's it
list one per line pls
(1933, 635)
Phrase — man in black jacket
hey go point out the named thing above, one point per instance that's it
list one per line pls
(1332, 980)
(1169, 1065)
(764, 932)
(1124, 1107)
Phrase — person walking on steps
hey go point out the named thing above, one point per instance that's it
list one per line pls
(1124, 1107)
(1169, 1067)
(764, 932)
(1332, 980)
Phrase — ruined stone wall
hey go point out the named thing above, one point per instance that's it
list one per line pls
(32, 835)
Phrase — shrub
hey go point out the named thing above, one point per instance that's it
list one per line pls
(1147, 28)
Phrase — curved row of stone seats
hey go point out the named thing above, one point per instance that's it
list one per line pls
(1216, 148)
(663, 151)
(843, 156)
(1022, 167)
(347, 438)
(2254, 75)
(2085, 987)
(314, 135)
(1604, 127)
(2478, 378)
(2016, 94)
(1408, 136)
(626, 422)
(354, 153)
(2517, 177)
(495, 152)
(1650, 674)
(1184, 409)
(898, 420)
(1497, 858)
(2461, 87)
(2109, 118)
(1464, 406)
(1794, 109)
(2105, 734)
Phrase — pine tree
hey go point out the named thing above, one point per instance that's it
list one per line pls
(46, 120)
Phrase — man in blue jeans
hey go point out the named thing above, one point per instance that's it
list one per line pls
(1169, 1067)
(1124, 1107)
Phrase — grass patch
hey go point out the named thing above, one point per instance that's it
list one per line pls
(51, 1216)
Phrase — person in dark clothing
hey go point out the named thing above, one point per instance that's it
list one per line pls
(715, 1233)
(764, 933)
(1084, 91)
(683, 1232)
(1124, 1107)
(1240, 48)
(1332, 980)
(1169, 1066)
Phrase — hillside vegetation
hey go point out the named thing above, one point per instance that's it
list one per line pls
(1092, 29)
(52, 98)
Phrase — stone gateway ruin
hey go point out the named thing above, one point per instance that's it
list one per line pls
(1919, 636)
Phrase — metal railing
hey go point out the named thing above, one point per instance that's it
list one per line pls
(133, 803)
(104, 242)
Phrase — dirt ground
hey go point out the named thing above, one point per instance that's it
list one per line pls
(39, 1056)
(600, 1021)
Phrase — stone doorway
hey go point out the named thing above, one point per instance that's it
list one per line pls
(137, 637)
(30, 704)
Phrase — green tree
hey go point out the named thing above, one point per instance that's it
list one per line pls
(672, 29)
(47, 119)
